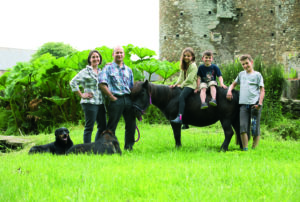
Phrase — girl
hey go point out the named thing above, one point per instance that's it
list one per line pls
(91, 99)
(187, 79)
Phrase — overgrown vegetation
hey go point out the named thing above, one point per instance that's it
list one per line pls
(287, 129)
(35, 96)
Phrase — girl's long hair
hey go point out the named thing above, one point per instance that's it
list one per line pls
(183, 64)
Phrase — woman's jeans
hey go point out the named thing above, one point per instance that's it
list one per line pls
(93, 113)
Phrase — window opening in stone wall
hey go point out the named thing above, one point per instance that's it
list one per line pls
(279, 6)
(177, 35)
(209, 12)
(165, 37)
(271, 11)
(284, 31)
(205, 35)
(181, 13)
(272, 34)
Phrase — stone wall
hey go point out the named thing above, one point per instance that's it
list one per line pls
(229, 28)
(292, 89)
(291, 106)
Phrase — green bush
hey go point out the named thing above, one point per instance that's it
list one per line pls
(4, 114)
(153, 115)
(288, 129)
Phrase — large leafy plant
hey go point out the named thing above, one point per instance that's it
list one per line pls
(37, 96)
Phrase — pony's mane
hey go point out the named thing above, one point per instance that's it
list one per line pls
(164, 90)
(153, 89)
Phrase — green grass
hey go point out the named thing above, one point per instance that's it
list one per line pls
(156, 171)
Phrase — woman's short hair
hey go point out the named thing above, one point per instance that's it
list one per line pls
(90, 55)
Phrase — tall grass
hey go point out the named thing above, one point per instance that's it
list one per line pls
(156, 171)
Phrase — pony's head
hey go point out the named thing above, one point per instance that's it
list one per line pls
(141, 98)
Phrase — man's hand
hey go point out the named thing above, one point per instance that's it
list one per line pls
(113, 98)
(87, 95)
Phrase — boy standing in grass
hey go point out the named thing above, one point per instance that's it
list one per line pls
(252, 94)
(207, 75)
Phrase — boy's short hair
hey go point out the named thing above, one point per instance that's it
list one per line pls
(245, 57)
(207, 53)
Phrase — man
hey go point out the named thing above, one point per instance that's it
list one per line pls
(115, 80)
(252, 94)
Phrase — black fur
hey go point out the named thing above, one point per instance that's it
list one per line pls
(167, 99)
(62, 143)
(106, 143)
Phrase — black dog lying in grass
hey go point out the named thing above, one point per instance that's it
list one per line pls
(106, 143)
(62, 143)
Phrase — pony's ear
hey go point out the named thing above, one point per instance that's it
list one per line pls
(145, 84)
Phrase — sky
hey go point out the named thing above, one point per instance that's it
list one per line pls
(28, 24)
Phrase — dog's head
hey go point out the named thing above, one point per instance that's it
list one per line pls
(62, 135)
(109, 138)
(108, 135)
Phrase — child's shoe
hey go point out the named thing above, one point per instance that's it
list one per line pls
(178, 119)
(213, 102)
(185, 126)
(204, 105)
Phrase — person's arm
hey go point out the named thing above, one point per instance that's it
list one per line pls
(198, 84)
(221, 82)
(229, 95)
(261, 97)
(179, 80)
(191, 73)
(79, 80)
(84, 95)
(107, 92)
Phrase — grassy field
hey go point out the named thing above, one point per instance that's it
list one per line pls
(156, 171)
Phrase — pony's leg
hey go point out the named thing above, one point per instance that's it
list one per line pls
(177, 133)
(236, 126)
(226, 124)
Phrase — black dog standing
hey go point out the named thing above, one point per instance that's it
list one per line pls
(106, 143)
(62, 143)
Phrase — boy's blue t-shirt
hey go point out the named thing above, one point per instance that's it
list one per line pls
(210, 73)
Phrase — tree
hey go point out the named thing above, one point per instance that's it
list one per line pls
(57, 49)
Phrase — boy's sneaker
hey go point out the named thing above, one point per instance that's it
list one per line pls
(185, 126)
(213, 102)
(204, 105)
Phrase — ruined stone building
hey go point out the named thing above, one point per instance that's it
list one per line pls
(229, 28)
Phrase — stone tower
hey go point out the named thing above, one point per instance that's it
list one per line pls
(229, 28)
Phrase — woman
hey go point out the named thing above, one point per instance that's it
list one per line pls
(92, 101)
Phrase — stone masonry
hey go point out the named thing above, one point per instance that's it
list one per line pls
(229, 28)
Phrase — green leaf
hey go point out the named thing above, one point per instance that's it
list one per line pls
(57, 100)
(143, 52)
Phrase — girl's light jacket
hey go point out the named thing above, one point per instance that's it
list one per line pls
(191, 77)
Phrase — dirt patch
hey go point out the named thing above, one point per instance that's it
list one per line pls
(12, 143)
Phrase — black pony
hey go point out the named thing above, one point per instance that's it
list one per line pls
(166, 99)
